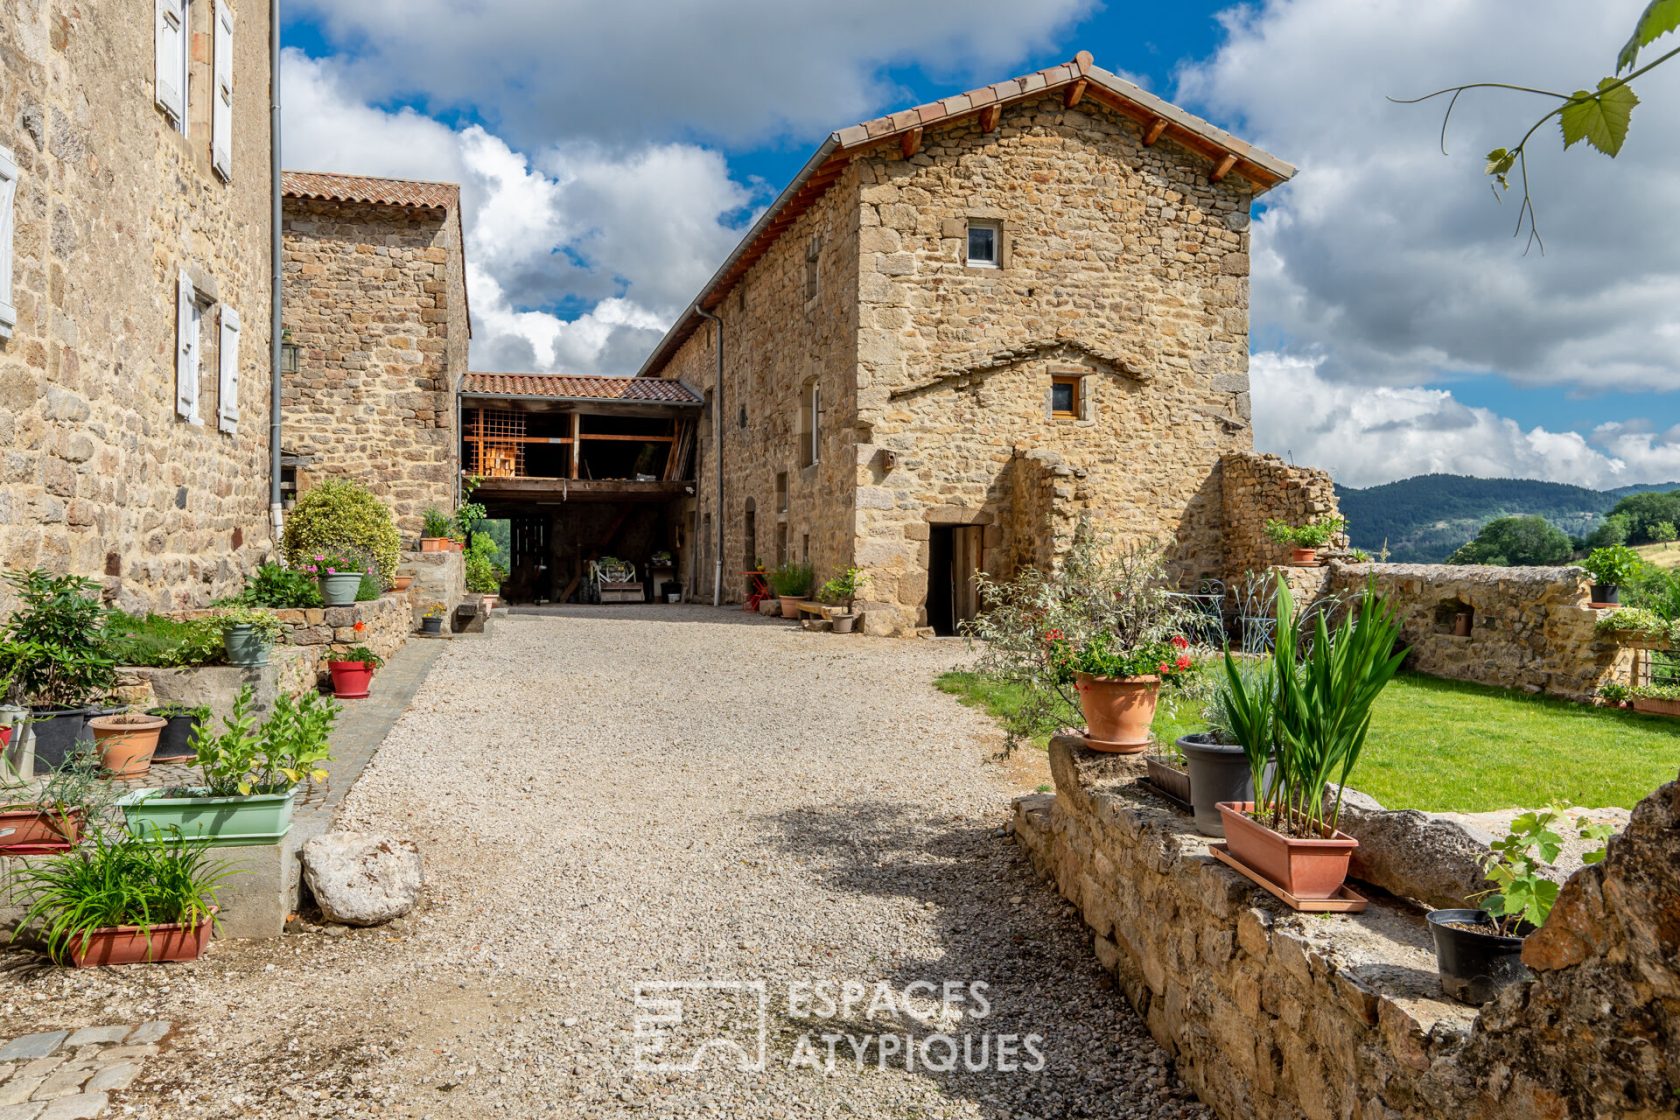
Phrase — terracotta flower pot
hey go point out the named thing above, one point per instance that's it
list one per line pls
(1655, 706)
(1118, 711)
(350, 679)
(126, 743)
(434, 544)
(402, 583)
(170, 941)
(489, 603)
(1305, 868)
(1304, 557)
(790, 606)
(28, 827)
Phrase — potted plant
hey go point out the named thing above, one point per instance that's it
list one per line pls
(431, 619)
(250, 775)
(842, 590)
(175, 741)
(1216, 766)
(280, 588)
(1610, 567)
(57, 814)
(57, 659)
(402, 583)
(341, 516)
(115, 900)
(248, 633)
(792, 584)
(1306, 539)
(483, 575)
(1657, 699)
(353, 673)
(1479, 951)
(126, 741)
(340, 574)
(435, 528)
(1302, 721)
(1119, 682)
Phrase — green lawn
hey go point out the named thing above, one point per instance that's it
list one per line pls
(1451, 746)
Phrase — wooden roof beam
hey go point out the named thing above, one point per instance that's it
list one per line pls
(910, 142)
(1152, 131)
(989, 117)
(1075, 93)
(1223, 167)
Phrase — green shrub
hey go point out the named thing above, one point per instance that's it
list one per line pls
(339, 515)
(484, 576)
(57, 654)
(844, 587)
(1612, 565)
(792, 581)
(280, 588)
(163, 643)
(260, 621)
(246, 758)
(1314, 534)
(435, 523)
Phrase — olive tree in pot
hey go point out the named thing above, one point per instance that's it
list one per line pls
(1479, 951)
(843, 590)
(57, 659)
(1302, 717)
(1610, 567)
(792, 584)
(1091, 641)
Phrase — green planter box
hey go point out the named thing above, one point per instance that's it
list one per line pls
(221, 822)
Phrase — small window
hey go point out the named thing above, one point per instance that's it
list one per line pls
(810, 423)
(781, 543)
(781, 492)
(985, 244)
(1065, 402)
(171, 40)
(813, 260)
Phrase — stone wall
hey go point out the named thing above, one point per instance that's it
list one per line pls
(326, 632)
(1255, 488)
(776, 343)
(1531, 628)
(1273, 1015)
(99, 476)
(1047, 501)
(375, 301)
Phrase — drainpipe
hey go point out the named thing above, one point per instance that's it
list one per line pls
(717, 417)
(276, 515)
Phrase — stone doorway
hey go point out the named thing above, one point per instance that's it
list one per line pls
(955, 557)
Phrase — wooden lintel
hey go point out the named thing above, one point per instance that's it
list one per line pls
(911, 142)
(1152, 132)
(1075, 93)
(1223, 167)
(989, 117)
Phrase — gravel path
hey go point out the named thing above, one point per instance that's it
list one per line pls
(611, 796)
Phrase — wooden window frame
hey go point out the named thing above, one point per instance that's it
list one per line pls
(1077, 384)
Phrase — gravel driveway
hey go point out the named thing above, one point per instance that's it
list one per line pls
(607, 797)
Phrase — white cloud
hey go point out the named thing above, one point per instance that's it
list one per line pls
(731, 70)
(630, 234)
(1393, 262)
(1365, 434)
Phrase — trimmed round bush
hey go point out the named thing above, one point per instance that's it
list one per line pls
(340, 515)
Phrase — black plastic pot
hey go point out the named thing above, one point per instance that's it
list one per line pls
(1217, 773)
(1474, 966)
(431, 624)
(175, 740)
(1606, 593)
(57, 731)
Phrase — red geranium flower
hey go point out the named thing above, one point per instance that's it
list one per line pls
(1184, 661)
(1180, 642)
(359, 626)
(1163, 667)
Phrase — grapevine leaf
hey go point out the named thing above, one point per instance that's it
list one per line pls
(1659, 18)
(1601, 119)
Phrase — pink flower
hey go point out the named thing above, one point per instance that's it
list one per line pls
(331, 572)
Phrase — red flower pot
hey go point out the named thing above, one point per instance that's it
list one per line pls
(1118, 711)
(350, 679)
(30, 827)
(1305, 557)
(1304, 868)
(434, 544)
(131, 945)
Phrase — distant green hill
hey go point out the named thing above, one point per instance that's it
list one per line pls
(1424, 518)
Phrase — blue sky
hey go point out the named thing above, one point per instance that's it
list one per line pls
(1396, 329)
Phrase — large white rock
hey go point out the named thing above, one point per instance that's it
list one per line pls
(362, 878)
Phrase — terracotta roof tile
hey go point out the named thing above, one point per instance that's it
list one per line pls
(414, 194)
(566, 386)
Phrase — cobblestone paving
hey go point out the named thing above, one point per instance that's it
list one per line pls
(69, 1075)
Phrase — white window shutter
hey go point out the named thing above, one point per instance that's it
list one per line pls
(186, 350)
(8, 206)
(227, 382)
(171, 42)
(221, 106)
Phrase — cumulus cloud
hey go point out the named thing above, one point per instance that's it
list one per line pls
(1393, 263)
(1367, 434)
(621, 238)
(728, 70)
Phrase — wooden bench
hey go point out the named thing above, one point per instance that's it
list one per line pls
(808, 606)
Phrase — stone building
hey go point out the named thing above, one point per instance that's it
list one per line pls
(135, 194)
(966, 325)
(374, 339)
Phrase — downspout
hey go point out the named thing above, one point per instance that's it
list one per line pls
(717, 417)
(276, 515)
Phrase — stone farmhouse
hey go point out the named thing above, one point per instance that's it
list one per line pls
(135, 214)
(374, 341)
(965, 325)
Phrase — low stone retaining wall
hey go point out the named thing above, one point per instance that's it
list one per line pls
(1272, 1015)
(325, 632)
(291, 671)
